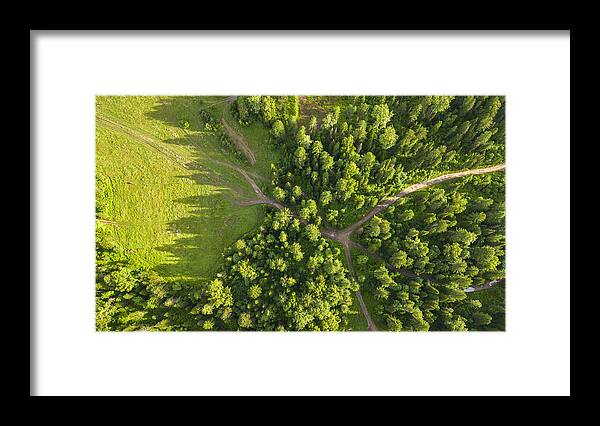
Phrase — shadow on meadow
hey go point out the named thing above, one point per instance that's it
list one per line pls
(194, 254)
(215, 219)
(175, 110)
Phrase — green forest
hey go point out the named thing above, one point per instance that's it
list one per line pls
(300, 213)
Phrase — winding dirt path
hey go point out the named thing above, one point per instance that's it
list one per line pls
(484, 286)
(343, 235)
(113, 124)
(149, 140)
(107, 222)
(239, 142)
(363, 307)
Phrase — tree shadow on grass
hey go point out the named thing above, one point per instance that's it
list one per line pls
(203, 144)
(214, 224)
(172, 110)
(189, 253)
(215, 221)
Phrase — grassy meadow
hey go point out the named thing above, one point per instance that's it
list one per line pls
(167, 195)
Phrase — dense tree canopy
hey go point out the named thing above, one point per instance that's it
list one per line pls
(283, 277)
(452, 237)
(379, 145)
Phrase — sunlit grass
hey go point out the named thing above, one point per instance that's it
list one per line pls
(174, 219)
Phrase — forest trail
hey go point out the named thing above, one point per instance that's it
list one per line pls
(262, 198)
(343, 235)
(238, 140)
(149, 140)
(113, 124)
(107, 222)
(484, 286)
(363, 307)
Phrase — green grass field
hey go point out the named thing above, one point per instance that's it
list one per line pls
(167, 195)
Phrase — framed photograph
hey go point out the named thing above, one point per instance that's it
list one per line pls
(293, 213)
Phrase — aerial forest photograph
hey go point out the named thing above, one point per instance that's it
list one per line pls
(300, 213)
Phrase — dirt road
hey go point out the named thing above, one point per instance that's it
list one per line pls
(416, 187)
(343, 235)
(484, 286)
(239, 142)
(363, 307)
(113, 124)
